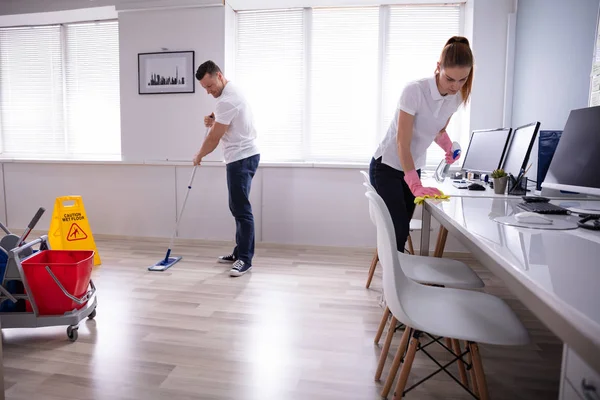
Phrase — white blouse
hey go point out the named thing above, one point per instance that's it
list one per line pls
(431, 110)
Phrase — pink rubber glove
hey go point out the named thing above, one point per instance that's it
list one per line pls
(417, 189)
(446, 144)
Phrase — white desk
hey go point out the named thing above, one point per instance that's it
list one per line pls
(556, 274)
(447, 188)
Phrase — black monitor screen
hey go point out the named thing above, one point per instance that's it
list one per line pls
(485, 150)
(576, 161)
(519, 150)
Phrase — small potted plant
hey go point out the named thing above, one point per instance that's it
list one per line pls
(500, 180)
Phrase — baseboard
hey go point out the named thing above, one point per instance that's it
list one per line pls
(265, 245)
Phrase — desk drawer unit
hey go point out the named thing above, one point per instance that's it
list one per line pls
(568, 393)
(583, 379)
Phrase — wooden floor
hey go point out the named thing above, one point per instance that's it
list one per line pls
(299, 326)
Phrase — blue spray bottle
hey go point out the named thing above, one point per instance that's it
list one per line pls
(442, 170)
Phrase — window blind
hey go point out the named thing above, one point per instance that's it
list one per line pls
(324, 82)
(31, 91)
(343, 90)
(92, 82)
(270, 70)
(59, 93)
(416, 37)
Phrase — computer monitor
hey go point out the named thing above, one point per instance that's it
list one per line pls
(519, 149)
(575, 165)
(486, 150)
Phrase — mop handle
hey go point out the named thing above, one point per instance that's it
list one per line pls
(31, 225)
(189, 187)
(4, 229)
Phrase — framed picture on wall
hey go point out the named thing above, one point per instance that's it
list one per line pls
(166, 72)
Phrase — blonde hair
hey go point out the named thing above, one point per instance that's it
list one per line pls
(457, 53)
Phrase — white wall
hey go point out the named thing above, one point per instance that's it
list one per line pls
(119, 200)
(166, 126)
(554, 50)
(306, 205)
(230, 33)
(292, 204)
(490, 26)
(206, 213)
(292, 195)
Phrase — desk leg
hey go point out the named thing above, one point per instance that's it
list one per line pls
(426, 226)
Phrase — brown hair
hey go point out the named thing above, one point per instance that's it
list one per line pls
(207, 67)
(457, 53)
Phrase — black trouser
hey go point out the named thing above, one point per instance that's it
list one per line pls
(390, 185)
(239, 180)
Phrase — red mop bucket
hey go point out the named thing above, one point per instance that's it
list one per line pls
(72, 268)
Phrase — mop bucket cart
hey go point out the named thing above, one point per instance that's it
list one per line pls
(56, 287)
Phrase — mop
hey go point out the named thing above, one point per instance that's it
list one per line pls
(169, 261)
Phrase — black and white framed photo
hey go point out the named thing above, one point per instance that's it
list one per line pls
(166, 72)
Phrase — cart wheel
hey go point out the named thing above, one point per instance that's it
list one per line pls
(72, 333)
(92, 314)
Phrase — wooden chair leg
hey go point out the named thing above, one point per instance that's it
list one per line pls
(472, 370)
(437, 243)
(386, 348)
(448, 343)
(479, 374)
(441, 243)
(386, 315)
(396, 363)
(372, 269)
(406, 366)
(461, 365)
(411, 249)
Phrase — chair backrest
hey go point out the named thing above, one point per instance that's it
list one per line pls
(371, 211)
(398, 289)
(367, 179)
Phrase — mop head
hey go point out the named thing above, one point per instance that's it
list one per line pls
(421, 199)
(164, 264)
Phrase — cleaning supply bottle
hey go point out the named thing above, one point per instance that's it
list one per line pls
(455, 149)
(443, 168)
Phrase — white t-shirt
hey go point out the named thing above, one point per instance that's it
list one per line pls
(422, 99)
(232, 109)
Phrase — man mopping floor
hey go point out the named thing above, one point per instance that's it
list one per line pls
(232, 124)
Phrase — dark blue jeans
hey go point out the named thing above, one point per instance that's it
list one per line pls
(390, 185)
(239, 180)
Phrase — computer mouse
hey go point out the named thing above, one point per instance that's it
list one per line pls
(529, 217)
(476, 186)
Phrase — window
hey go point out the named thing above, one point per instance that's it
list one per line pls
(343, 88)
(324, 82)
(31, 90)
(416, 37)
(270, 68)
(59, 91)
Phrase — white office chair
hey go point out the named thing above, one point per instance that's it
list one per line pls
(429, 271)
(433, 270)
(472, 316)
(414, 225)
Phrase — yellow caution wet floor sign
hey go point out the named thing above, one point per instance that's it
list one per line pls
(70, 228)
